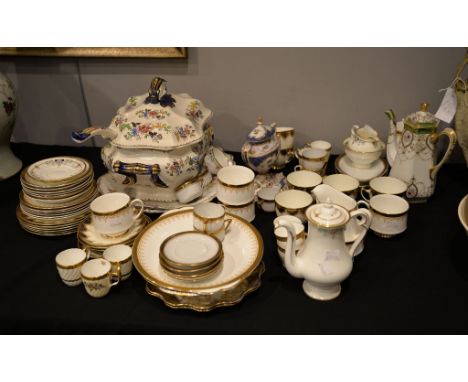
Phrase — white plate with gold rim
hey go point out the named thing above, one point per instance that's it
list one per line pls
(242, 247)
(57, 170)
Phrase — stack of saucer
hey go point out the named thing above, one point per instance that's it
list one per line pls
(88, 238)
(56, 195)
(190, 255)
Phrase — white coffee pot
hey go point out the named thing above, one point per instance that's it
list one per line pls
(324, 260)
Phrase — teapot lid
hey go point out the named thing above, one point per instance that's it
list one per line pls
(327, 215)
(422, 118)
(261, 132)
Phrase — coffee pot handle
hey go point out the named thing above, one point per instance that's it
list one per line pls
(452, 136)
(364, 222)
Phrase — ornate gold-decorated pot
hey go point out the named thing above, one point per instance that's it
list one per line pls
(158, 140)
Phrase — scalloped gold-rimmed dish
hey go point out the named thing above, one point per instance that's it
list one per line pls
(242, 247)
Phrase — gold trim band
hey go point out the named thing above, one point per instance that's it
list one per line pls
(108, 274)
(71, 266)
(236, 185)
(111, 212)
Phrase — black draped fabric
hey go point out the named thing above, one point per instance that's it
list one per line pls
(414, 283)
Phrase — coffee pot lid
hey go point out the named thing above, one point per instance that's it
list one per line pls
(422, 118)
(327, 215)
(261, 132)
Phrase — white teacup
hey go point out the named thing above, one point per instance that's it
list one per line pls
(312, 160)
(266, 198)
(390, 215)
(235, 185)
(97, 277)
(210, 218)
(245, 211)
(321, 145)
(344, 183)
(113, 214)
(303, 180)
(69, 264)
(120, 257)
(190, 190)
(281, 233)
(384, 185)
(216, 159)
(293, 202)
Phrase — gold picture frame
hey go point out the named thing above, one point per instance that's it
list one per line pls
(97, 52)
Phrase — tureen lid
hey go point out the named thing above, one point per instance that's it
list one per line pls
(261, 132)
(160, 120)
(327, 215)
(422, 118)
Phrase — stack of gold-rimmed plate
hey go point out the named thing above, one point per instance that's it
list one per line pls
(239, 273)
(56, 195)
(190, 255)
(89, 238)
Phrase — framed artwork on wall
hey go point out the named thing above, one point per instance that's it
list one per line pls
(165, 52)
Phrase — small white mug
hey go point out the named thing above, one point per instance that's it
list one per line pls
(120, 257)
(210, 218)
(97, 277)
(113, 214)
(235, 185)
(384, 185)
(312, 160)
(390, 214)
(266, 198)
(69, 263)
(343, 183)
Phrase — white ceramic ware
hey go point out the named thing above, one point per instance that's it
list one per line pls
(120, 257)
(242, 247)
(303, 180)
(343, 183)
(9, 164)
(261, 149)
(210, 218)
(266, 198)
(353, 229)
(312, 159)
(190, 190)
(235, 185)
(285, 136)
(412, 154)
(68, 263)
(216, 159)
(245, 211)
(321, 145)
(363, 147)
(293, 202)
(384, 185)
(112, 182)
(390, 214)
(344, 165)
(113, 214)
(324, 261)
(463, 212)
(281, 233)
(97, 277)
(157, 140)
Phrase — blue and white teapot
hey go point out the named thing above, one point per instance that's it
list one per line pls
(262, 147)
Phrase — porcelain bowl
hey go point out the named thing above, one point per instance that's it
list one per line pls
(362, 159)
(463, 212)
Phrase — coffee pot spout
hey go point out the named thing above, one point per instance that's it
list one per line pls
(393, 136)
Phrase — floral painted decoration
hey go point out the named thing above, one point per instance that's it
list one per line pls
(136, 130)
(153, 114)
(178, 166)
(193, 111)
(184, 132)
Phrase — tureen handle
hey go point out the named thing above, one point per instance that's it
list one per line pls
(133, 169)
(85, 134)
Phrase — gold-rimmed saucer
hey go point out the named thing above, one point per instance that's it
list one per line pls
(87, 237)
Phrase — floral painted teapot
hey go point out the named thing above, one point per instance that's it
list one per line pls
(324, 260)
(262, 147)
(158, 140)
(411, 151)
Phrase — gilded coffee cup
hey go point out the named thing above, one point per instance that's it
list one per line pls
(69, 263)
(97, 277)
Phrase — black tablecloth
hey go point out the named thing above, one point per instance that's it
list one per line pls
(414, 283)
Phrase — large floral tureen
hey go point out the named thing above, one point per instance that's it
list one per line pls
(157, 142)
